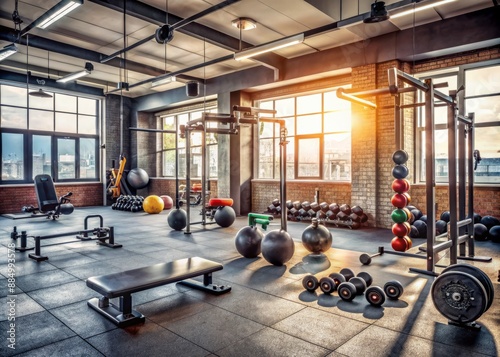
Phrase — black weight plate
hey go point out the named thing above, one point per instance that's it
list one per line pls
(459, 296)
(366, 277)
(375, 295)
(479, 275)
(359, 283)
(347, 291)
(393, 289)
(327, 285)
(347, 273)
(310, 283)
(337, 278)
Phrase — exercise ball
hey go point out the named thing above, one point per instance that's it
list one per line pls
(277, 247)
(494, 234)
(316, 238)
(67, 208)
(480, 232)
(225, 216)
(400, 157)
(137, 178)
(400, 244)
(445, 216)
(177, 219)
(423, 218)
(414, 232)
(167, 202)
(416, 213)
(248, 241)
(400, 171)
(477, 218)
(422, 228)
(490, 221)
(441, 226)
(153, 204)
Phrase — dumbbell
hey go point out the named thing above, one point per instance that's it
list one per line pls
(376, 296)
(347, 273)
(366, 259)
(310, 283)
(361, 281)
(347, 290)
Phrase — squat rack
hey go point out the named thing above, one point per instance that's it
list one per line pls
(457, 244)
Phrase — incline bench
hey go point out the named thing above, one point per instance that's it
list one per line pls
(122, 285)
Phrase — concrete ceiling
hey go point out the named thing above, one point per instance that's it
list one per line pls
(97, 28)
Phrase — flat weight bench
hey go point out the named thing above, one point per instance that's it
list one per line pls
(123, 285)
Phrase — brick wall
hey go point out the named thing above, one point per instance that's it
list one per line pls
(15, 197)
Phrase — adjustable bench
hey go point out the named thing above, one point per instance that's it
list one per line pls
(123, 285)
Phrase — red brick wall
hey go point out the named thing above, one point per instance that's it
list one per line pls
(15, 197)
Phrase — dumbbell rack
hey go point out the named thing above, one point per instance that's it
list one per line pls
(457, 123)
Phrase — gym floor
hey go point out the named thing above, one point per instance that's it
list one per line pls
(267, 313)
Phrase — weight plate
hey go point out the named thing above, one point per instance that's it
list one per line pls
(347, 291)
(459, 296)
(327, 285)
(366, 277)
(375, 295)
(347, 273)
(310, 283)
(393, 289)
(337, 278)
(365, 259)
(479, 275)
(360, 285)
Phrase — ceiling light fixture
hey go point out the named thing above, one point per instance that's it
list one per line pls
(417, 8)
(40, 94)
(244, 23)
(164, 80)
(58, 11)
(378, 13)
(73, 76)
(269, 47)
(7, 51)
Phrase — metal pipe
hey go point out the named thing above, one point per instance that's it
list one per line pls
(177, 194)
(117, 53)
(203, 173)
(252, 110)
(442, 246)
(470, 187)
(463, 238)
(465, 120)
(283, 143)
(452, 182)
(188, 181)
(170, 131)
(342, 95)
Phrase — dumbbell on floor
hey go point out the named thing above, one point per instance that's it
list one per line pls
(376, 296)
(355, 286)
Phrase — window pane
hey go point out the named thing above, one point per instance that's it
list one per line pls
(309, 151)
(488, 143)
(65, 103)
(290, 125)
(440, 115)
(14, 96)
(285, 107)
(182, 162)
(290, 159)
(87, 124)
(169, 163)
(213, 160)
(266, 130)
(266, 105)
(196, 161)
(337, 157)
(337, 121)
(12, 156)
(309, 104)
(14, 117)
(41, 120)
(440, 158)
(266, 149)
(482, 81)
(484, 109)
(309, 124)
(88, 158)
(42, 156)
(65, 122)
(41, 103)
(66, 159)
(87, 106)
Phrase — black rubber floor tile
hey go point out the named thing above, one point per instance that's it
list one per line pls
(270, 342)
(85, 271)
(159, 292)
(69, 259)
(82, 319)
(134, 262)
(44, 280)
(167, 255)
(62, 295)
(172, 308)
(146, 339)
(26, 267)
(71, 347)
(335, 330)
(21, 303)
(4, 287)
(252, 304)
(33, 331)
(214, 329)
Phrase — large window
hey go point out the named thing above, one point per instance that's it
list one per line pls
(482, 97)
(319, 138)
(58, 136)
(196, 159)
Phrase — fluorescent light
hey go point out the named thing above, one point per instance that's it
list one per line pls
(7, 51)
(73, 76)
(60, 10)
(164, 80)
(419, 8)
(268, 47)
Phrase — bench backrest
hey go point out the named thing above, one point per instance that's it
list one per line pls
(45, 193)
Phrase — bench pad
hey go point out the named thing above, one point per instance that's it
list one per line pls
(131, 281)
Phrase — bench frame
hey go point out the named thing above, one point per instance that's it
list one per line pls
(123, 313)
